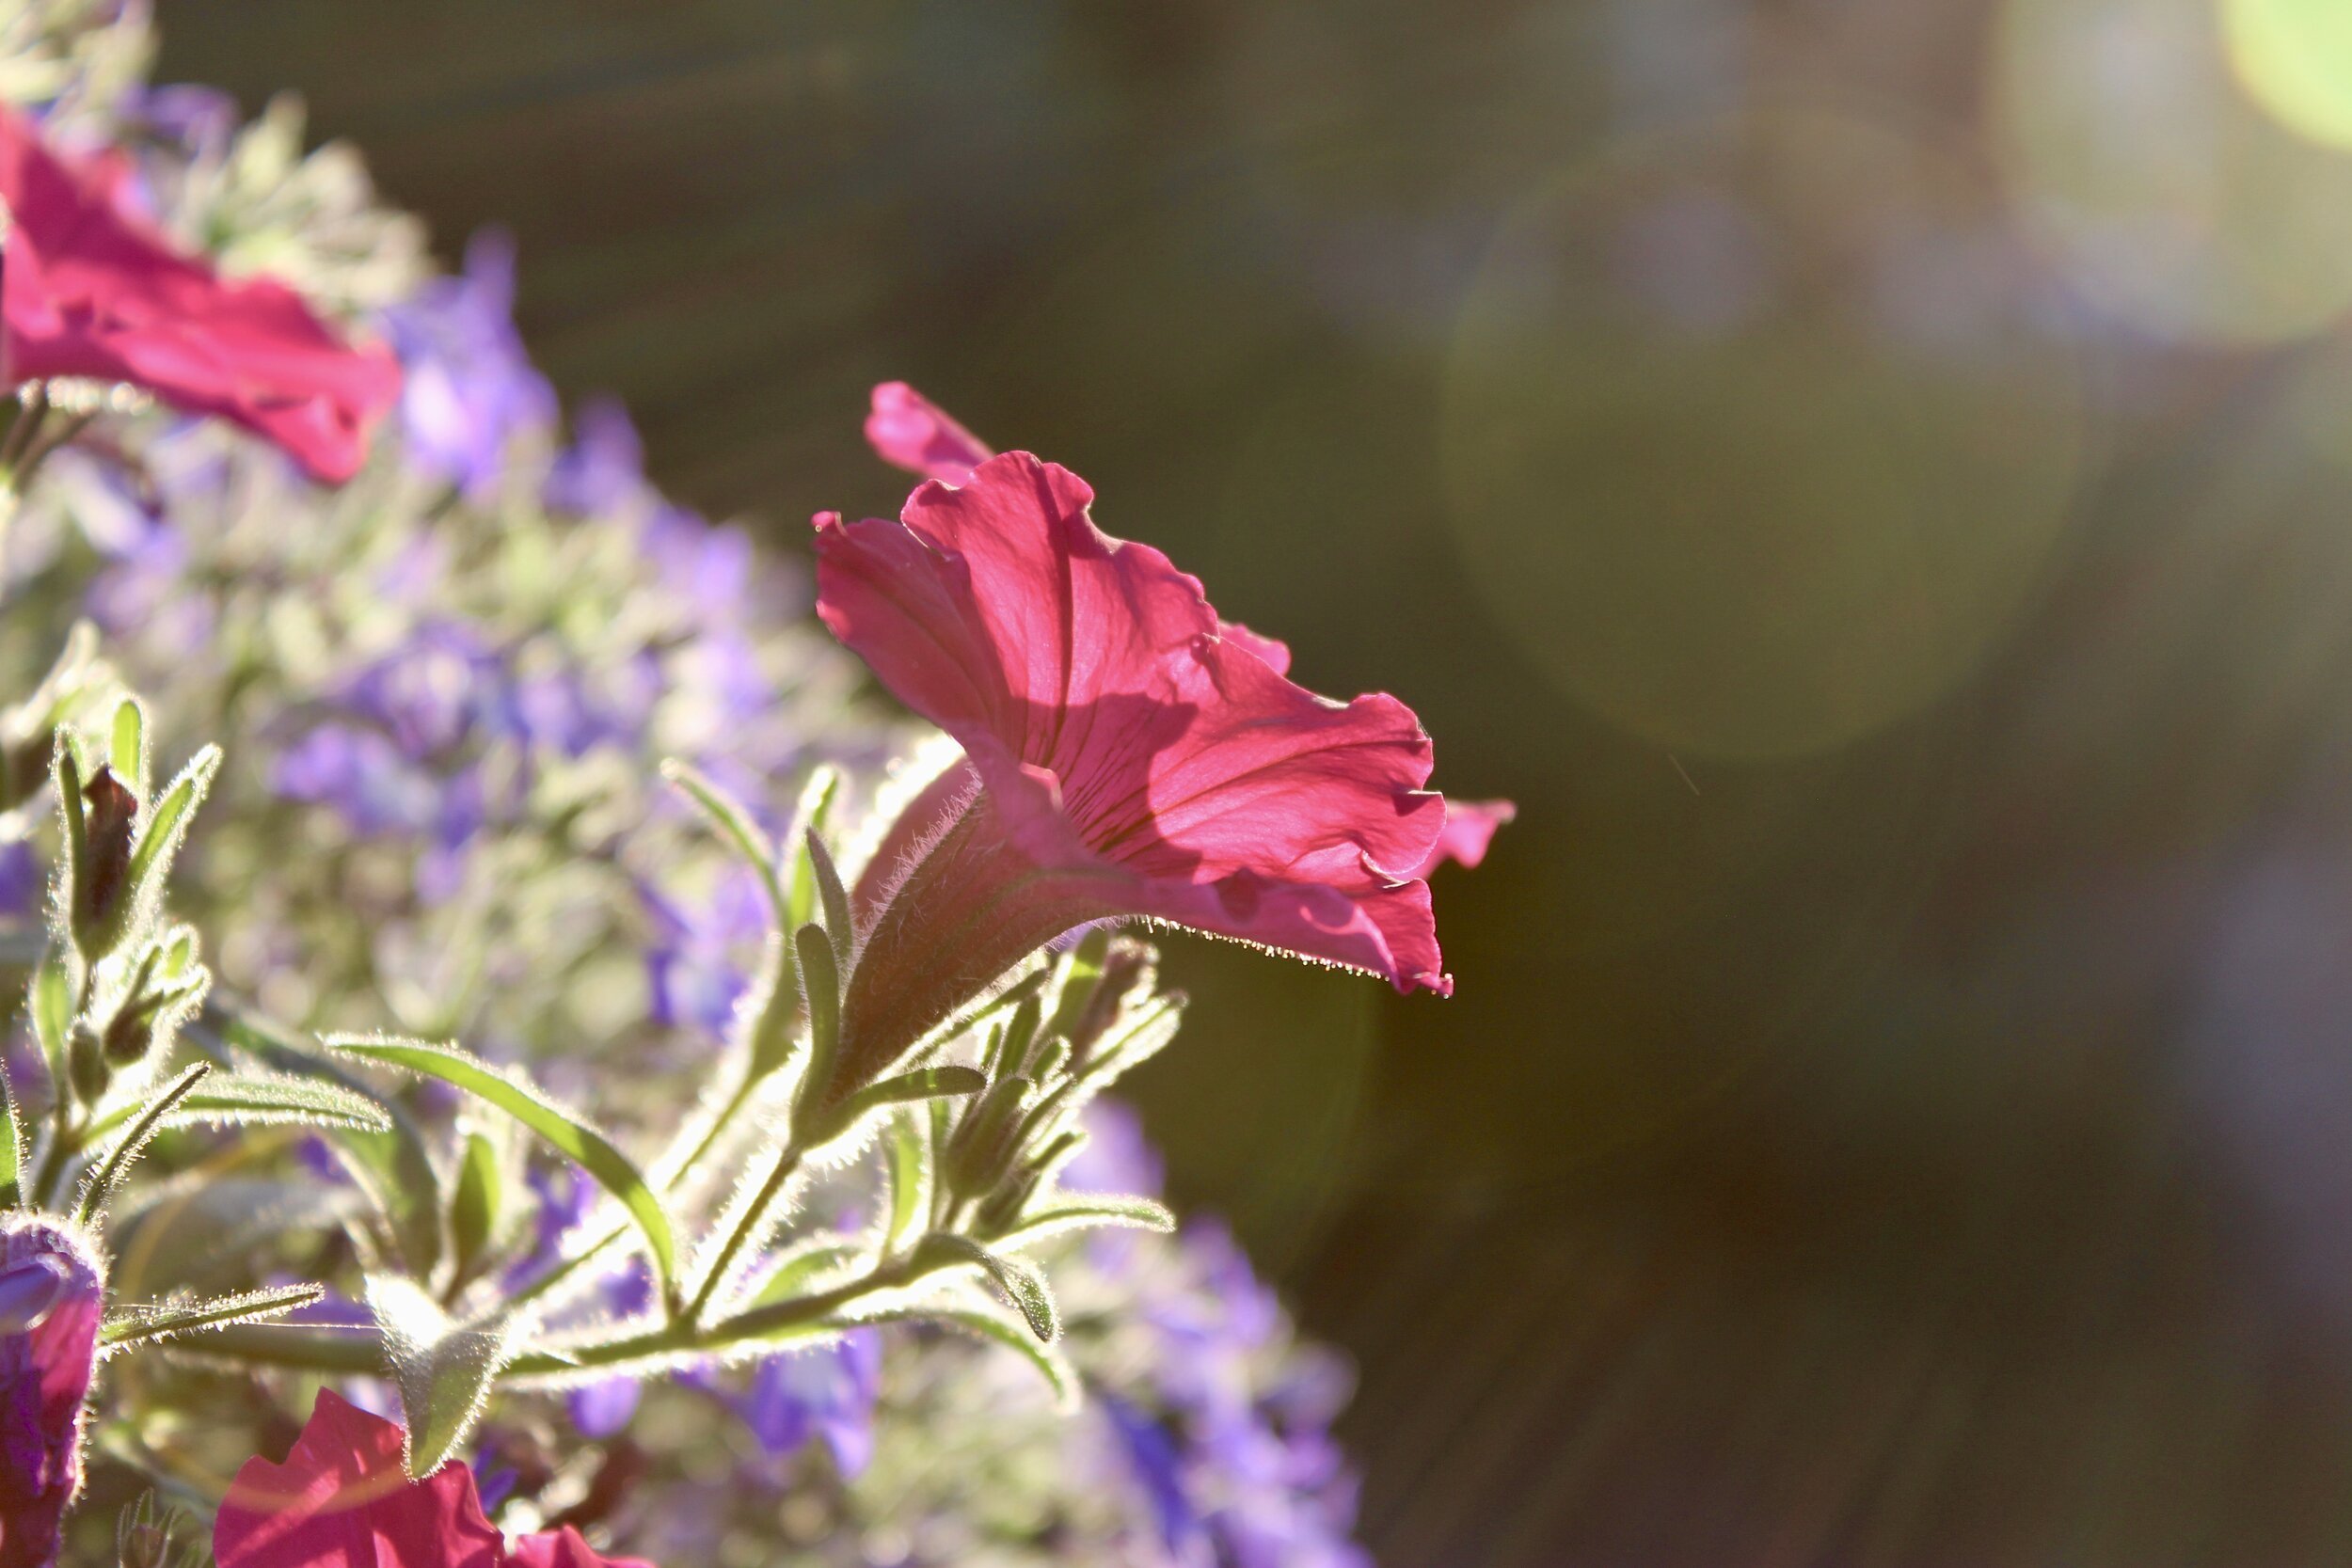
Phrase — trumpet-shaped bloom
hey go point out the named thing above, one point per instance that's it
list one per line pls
(1469, 827)
(89, 290)
(343, 1499)
(51, 1294)
(1127, 757)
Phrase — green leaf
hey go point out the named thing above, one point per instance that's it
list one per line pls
(473, 1215)
(160, 837)
(728, 815)
(259, 1100)
(129, 745)
(572, 1137)
(820, 983)
(52, 1012)
(931, 1083)
(120, 1158)
(811, 1258)
(993, 1323)
(443, 1369)
(132, 1327)
(1022, 1284)
(810, 817)
(11, 1147)
(1135, 1213)
(394, 1170)
(910, 1162)
(833, 899)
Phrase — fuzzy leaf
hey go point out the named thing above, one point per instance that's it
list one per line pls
(910, 1164)
(101, 1182)
(993, 1323)
(12, 1147)
(1135, 1213)
(573, 1138)
(473, 1213)
(131, 1327)
(805, 1262)
(166, 828)
(444, 1370)
(729, 816)
(1023, 1285)
(52, 1012)
(258, 1100)
(129, 745)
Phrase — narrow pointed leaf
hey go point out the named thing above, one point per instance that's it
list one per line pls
(1021, 1282)
(11, 1147)
(991, 1322)
(1134, 1213)
(127, 1148)
(810, 1260)
(832, 898)
(729, 816)
(473, 1215)
(130, 746)
(53, 1013)
(570, 1137)
(126, 1328)
(810, 817)
(931, 1083)
(261, 1100)
(909, 1152)
(167, 828)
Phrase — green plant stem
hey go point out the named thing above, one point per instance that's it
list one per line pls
(299, 1350)
(695, 1157)
(787, 1161)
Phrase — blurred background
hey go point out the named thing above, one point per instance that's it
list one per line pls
(1872, 479)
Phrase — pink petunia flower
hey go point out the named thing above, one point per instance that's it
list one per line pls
(86, 289)
(343, 1498)
(1469, 827)
(911, 432)
(52, 1291)
(1126, 756)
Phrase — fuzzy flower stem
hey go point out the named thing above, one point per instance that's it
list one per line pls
(363, 1355)
(787, 1161)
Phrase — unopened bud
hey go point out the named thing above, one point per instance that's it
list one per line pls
(110, 821)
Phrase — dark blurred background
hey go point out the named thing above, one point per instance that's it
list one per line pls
(1873, 480)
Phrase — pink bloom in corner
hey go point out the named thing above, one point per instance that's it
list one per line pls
(89, 290)
(51, 1295)
(343, 1499)
(1126, 756)
(1469, 827)
(911, 432)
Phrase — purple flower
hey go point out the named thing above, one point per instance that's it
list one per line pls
(51, 1291)
(827, 1393)
(604, 470)
(470, 388)
(603, 1409)
(1157, 1462)
(700, 958)
(24, 880)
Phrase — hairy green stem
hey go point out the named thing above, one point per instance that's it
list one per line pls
(787, 1161)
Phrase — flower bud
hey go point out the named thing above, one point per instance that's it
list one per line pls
(51, 1291)
(103, 864)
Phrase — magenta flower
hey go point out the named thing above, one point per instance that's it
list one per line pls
(52, 1291)
(91, 291)
(343, 1499)
(911, 432)
(1469, 827)
(1127, 756)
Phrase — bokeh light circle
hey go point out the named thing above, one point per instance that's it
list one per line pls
(2173, 201)
(2295, 57)
(1752, 441)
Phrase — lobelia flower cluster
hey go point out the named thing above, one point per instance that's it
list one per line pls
(493, 743)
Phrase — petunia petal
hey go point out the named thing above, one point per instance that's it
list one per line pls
(90, 291)
(909, 431)
(342, 1500)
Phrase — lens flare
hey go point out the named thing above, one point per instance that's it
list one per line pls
(2172, 202)
(2295, 57)
(1751, 440)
